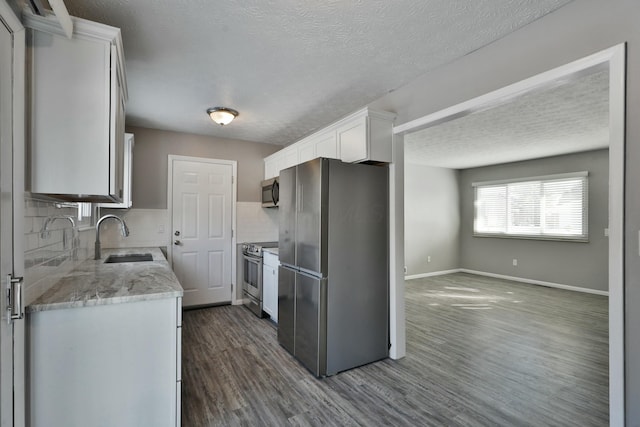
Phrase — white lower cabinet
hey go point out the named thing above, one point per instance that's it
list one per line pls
(107, 365)
(270, 285)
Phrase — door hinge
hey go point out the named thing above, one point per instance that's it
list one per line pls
(232, 233)
(233, 179)
(14, 298)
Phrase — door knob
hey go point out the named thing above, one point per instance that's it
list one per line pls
(177, 242)
(177, 233)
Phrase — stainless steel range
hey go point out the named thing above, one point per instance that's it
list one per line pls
(252, 277)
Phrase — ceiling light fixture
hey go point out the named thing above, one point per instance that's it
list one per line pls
(222, 115)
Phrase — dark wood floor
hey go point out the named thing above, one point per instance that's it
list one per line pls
(480, 352)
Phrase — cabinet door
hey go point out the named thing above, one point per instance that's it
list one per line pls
(70, 110)
(270, 168)
(128, 170)
(290, 158)
(352, 141)
(326, 145)
(127, 179)
(307, 151)
(116, 134)
(274, 294)
(74, 367)
(268, 288)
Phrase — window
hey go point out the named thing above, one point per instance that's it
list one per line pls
(86, 216)
(547, 207)
(84, 211)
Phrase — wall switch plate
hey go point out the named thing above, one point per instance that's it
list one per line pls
(161, 228)
(606, 232)
(515, 262)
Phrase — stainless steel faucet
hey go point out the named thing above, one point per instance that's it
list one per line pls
(44, 231)
(123, 228)
(75, 241)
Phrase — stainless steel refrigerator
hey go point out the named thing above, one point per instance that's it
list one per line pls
(333, 283)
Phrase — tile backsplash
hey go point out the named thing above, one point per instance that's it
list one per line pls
(255, 223)
(152, 227)
(147, 228)
(50, 254)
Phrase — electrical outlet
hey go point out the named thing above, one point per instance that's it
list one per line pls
(405, 269)
(429, 258)
(515, 262)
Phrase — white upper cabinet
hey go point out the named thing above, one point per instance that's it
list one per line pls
(272, 166)
(352, 139)
(363, 136)
(282, 159)
(366, 137)
(76, 114)
(306, 151)
(326, 144)
(290, 158)
(127, 201)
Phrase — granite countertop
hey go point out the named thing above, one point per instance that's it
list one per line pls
(95, 283)
(271, 250)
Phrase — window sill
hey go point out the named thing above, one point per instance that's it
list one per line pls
(524, 237)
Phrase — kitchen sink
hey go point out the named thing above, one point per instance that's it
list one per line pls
(128, 258)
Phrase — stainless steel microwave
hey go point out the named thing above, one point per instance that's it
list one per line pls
(270, 193)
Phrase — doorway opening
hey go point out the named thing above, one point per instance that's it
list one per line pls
(609, 66)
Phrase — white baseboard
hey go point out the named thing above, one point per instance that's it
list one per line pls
(534, 282)
(433, 273)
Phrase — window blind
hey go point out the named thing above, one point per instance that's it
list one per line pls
(542, 207)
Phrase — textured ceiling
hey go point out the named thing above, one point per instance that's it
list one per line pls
(289, 67)
(568, 118)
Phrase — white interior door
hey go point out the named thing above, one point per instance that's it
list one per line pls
(12, 354)
(202, 210)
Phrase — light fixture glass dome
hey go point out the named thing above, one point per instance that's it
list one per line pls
(221, 115)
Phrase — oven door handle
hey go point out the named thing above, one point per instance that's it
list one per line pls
(256, 261)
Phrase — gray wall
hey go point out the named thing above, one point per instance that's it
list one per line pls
(432, 218)
(570, 263)
(150, 162)
(576, 30)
